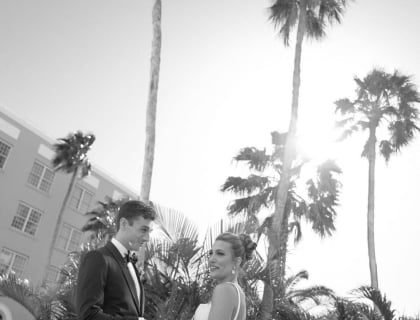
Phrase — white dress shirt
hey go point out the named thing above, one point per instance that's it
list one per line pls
(123, 250)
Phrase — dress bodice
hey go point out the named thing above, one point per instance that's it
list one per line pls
(203, 310)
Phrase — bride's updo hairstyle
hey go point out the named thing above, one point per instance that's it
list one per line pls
(242, 246)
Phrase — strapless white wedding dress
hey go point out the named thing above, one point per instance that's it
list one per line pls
(203, 310)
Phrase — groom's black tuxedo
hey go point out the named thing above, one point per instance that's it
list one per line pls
(105, 287)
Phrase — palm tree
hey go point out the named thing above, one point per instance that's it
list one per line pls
(70, 157)
(311, 17)
(149, 150)
(382, 99)
(258, 192)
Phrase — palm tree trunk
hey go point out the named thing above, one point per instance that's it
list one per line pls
(149, 151)
(60, 218)
(266, 306)
(289, 152)
(267, 302)
(371, 210)
(277, 267)
(284, 237)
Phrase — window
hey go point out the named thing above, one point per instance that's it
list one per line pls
(81, 199)
(41, 177)
(69, 238)
(4, 153)
(12, 261)
(26, 219)
(53, 275)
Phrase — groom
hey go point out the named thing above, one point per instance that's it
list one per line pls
(108, 285)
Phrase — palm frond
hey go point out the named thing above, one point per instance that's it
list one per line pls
(252, 204)
(323, 194)
(316, 294)
(331, 10)
(296, 228)
(235, 225)
(20, 291)
(347, 133)
(365, 152)
(349, 310)
(247, 185)
(386, 149)
(256, 159)
(344, 106)
(344, 122)
(402, 132)
(174, 224)
(38, 302)
(71, 153)
(284, 15)
(294, 279)
(289, 311)
(379, 300)
(315, 27)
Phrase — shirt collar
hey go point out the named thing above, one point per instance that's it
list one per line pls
(123, 250)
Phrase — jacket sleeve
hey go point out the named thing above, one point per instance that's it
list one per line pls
(90, 289)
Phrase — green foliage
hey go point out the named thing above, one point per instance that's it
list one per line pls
(285, 15)
(366, 303)
(102, 221)
(382, 100)
(257, 192)
(71, 153)
(176, 281)
(41, 303)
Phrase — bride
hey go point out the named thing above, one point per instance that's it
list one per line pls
(227, 255)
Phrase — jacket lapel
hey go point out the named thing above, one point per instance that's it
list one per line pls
(126, 273)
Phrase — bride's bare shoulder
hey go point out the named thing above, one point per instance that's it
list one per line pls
(224, 291)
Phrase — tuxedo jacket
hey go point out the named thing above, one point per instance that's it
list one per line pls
(105, 287)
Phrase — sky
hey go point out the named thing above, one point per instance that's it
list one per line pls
(225, 84)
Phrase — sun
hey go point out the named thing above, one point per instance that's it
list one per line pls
(318, 141)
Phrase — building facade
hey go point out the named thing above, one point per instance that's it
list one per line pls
(31, 195)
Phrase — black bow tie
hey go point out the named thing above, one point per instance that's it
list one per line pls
(131, 257)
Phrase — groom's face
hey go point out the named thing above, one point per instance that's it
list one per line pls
(137, 233)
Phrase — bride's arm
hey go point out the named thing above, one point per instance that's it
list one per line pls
(223, 302)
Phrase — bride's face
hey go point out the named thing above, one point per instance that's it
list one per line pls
(221, 261)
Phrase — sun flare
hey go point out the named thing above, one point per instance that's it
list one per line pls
(318, 142)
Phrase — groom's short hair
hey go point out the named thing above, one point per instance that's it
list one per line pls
(133, 209)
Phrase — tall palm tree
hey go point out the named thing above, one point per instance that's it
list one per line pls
(149, 150)
(311, 18)
(383, 100)
(258, 192)
(70, 157)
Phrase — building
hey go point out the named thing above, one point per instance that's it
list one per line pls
(31, 195)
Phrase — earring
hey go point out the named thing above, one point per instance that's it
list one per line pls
(233, 271)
